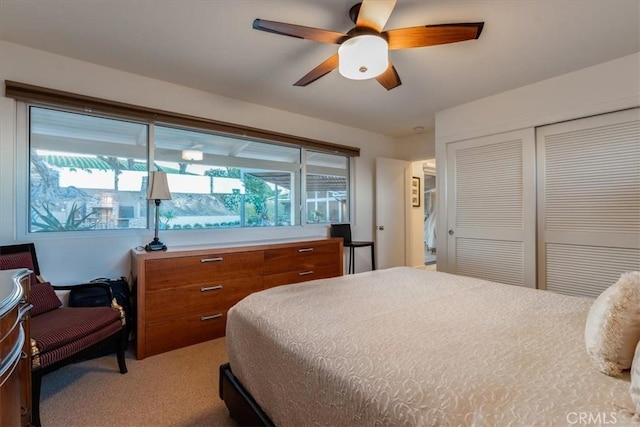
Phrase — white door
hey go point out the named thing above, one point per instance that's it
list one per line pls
(392, 187)
(491, 208)
(588, 202)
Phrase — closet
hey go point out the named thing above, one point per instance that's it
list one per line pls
(490, 206)
(556, 207)
(588, 202)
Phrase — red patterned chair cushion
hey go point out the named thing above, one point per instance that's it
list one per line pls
(43, 298)
(19, 260)
(63, 332)
(60, 353)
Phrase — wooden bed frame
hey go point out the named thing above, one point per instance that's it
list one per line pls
(242, 407)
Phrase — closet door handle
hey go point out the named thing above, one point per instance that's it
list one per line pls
(218, 259)
(305, 250)
(210, 288)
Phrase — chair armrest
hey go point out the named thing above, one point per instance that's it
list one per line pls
(101, 285)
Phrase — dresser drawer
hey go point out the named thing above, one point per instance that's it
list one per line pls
(8, 322)
(9, 333)
(185, 331)
(201, 270)
(11, 384)
(300, 258)
(318, 272)
(185, 301)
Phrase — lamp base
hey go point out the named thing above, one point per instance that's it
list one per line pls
(156, 245)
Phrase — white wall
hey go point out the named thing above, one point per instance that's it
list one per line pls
(417, 147)
(415, 226)
(79, 256)
(603, 88)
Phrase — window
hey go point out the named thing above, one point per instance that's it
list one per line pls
(327, 190)
(89, 172)
(238, 183)
(86, 172)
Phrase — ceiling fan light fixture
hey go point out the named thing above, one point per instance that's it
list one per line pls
(363, 57)
(192, 155)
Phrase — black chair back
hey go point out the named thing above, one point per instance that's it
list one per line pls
(342, 230)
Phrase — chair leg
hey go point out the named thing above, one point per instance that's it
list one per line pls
(36, 385)
(36, 376)
(373, 256)
(352, 261)
(123, 340)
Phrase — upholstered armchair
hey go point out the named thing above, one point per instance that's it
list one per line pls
(62, 335)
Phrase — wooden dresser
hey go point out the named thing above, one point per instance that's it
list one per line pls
(183, 294)
(15, 365)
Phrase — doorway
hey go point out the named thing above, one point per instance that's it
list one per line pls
(430, 208)
(391, 212)
(430, 201)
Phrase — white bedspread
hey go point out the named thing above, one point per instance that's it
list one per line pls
(412, 347)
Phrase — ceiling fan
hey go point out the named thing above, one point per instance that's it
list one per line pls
(363, 51)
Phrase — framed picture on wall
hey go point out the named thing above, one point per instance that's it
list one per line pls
(415, 191)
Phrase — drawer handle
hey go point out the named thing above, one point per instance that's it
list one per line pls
(24, 310)
(13, 357)
(23, 355)
(210, 288)
(211, 259)
(213, 316)
(305, 250)
(305, 273)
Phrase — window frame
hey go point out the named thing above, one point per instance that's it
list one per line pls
(53, 97)
(23, 166)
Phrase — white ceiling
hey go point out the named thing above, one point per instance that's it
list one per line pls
(210, 45)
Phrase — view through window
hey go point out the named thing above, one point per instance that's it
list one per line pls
(86, 172)
(327, 188)
(231, 182)
(90, 172)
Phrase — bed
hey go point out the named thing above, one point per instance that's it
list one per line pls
(405, 346)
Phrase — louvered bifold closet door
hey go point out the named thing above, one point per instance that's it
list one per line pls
(491, 208)
(588, 202)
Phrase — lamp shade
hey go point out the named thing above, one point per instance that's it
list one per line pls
(363, 57)
(191, 155)
(158, 186)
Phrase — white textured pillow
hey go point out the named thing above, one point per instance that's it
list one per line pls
(635, 380)
(613, 325)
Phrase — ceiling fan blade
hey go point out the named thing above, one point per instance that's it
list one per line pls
(374, 14)
(430, 35)
(326, 67)
(299, 31)
(390, 78)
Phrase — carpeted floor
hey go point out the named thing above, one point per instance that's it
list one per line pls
(178, 388)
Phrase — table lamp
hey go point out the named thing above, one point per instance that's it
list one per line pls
(158, 190)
